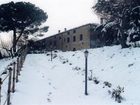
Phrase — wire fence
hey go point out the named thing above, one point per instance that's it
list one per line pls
(10, 77)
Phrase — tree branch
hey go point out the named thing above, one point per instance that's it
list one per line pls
(22, 30)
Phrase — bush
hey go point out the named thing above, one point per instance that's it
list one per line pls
(116, 94)
(96, 81)
(73, 55)
(107, 84)
(66, 61)
(54, 56)
(130, 65)
(77, 68)
(55, 51)
(48, 54)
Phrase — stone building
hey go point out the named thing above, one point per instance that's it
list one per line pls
(70, 40)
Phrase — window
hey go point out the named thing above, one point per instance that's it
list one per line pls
(68, 40)
(68, 32)
(81, 36)
(74, 38)
(54, 43)
(74, 31)
(50, 43)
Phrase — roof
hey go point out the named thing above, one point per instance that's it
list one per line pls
(69, 30)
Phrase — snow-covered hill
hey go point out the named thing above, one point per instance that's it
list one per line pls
(4, 63)
(61, 81)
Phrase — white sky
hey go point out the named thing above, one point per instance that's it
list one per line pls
(65, 13)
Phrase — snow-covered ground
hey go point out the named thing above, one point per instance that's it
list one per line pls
(4, 63)
(61, 81)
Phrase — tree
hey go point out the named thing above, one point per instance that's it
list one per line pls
(106, 34)
(1, 56)
(125, 15)
(20, 17)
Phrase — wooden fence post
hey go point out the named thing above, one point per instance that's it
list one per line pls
(20, 62)
(14, 71)
(17, 70)
(9, 86)
(0, 89)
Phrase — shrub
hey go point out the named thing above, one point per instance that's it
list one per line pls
(48, 54)
(89, 78)
(73, 55)
(96, 81)
(77, 68)
(55, 51)
(64, 62)
(130, 65)
(107, 84)
(116, 94)
(54, 56)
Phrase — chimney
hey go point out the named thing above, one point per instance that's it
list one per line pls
(65, 29)
(59, 31)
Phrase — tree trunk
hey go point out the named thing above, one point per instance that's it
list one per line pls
(123, 40)
(14, 41)
(123, 37)
(17, 39)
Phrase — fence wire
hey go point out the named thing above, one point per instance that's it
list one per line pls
(6, 82)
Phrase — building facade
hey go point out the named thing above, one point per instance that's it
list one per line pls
(70, 40)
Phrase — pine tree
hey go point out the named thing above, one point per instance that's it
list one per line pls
(21, 18)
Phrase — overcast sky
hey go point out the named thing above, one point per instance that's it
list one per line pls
(65, 13)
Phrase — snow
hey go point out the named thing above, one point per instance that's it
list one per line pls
(61, 81)
(4, 63)
(108, 25)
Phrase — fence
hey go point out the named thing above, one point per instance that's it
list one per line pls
(10, 77)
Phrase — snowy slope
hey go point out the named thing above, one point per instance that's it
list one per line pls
(4, 63)
(61, 81)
